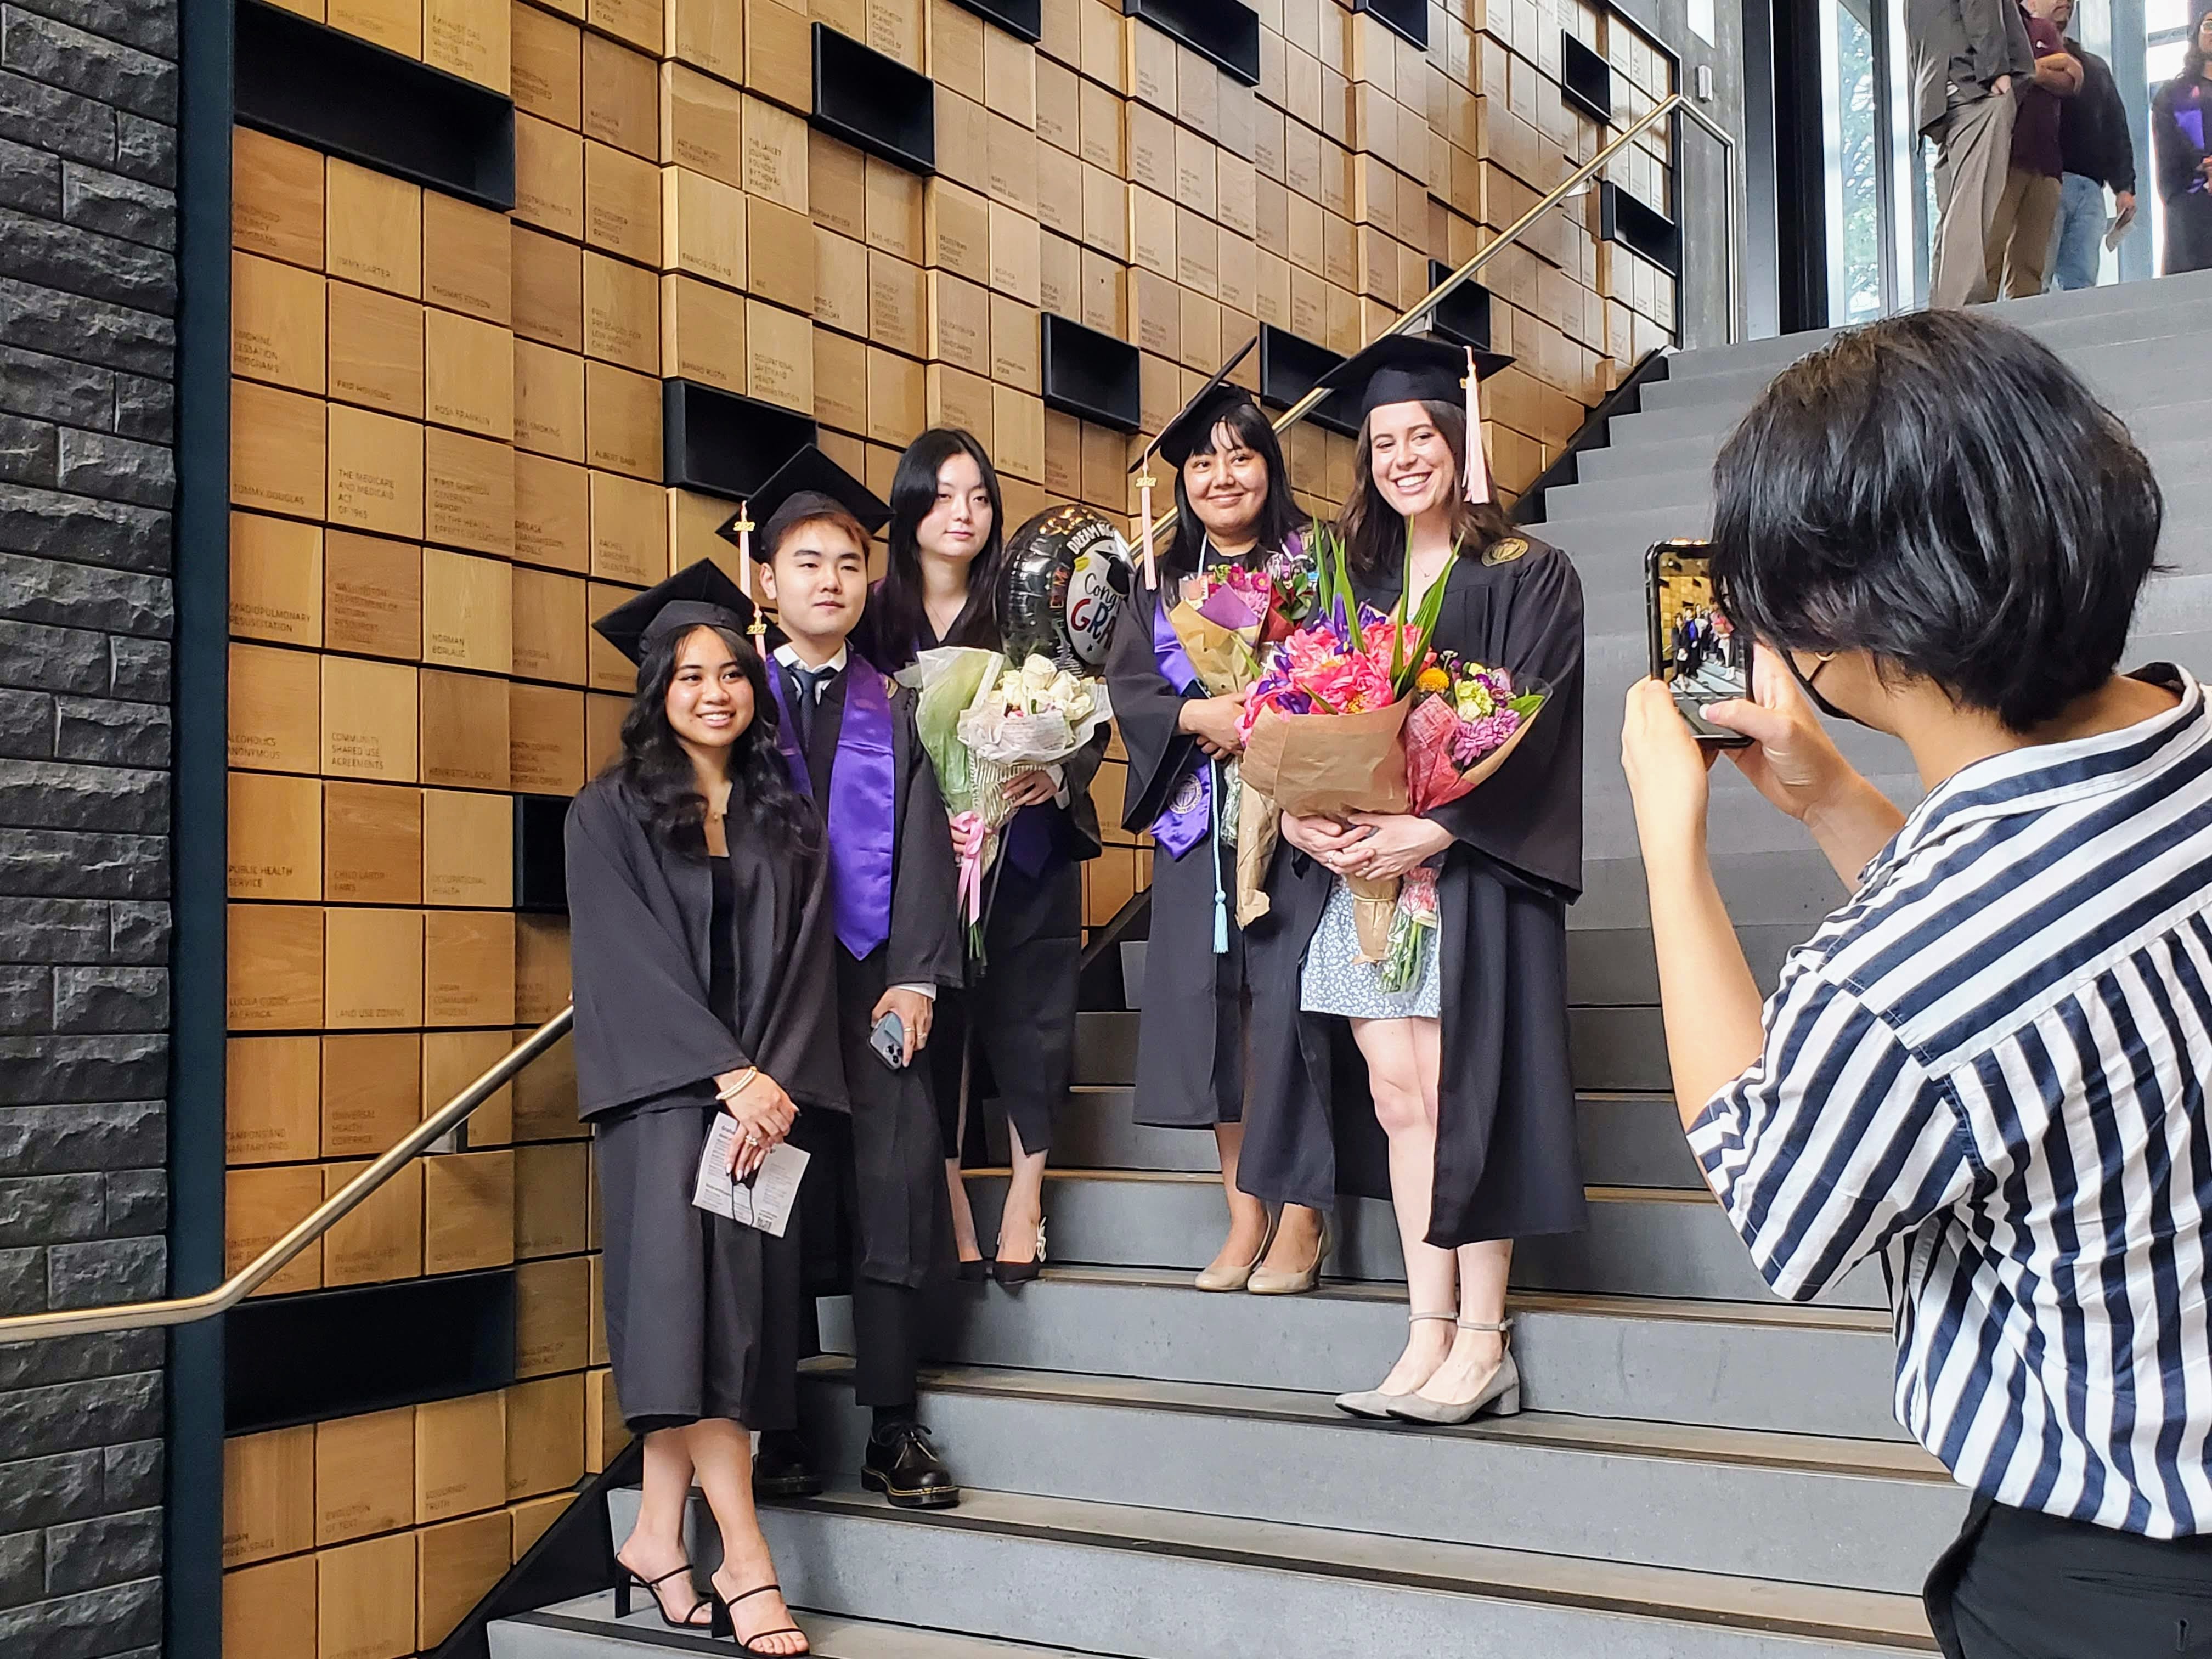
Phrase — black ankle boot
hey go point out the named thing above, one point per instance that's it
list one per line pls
(781, 1468)
(902, 1464)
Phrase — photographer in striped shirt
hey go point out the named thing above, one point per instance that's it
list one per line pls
(1986, 1068)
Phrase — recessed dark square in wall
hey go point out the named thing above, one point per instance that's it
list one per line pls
(720, 444)
(1290, 365)
(1225, 30)
(1463, 317)
(874, 102)
(1639, 227)
(1089, 375)
(1407, 17)
(1585, 78)
(336, 93)
(541, 866)
(1022, 18)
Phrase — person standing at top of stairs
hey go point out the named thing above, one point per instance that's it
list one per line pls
(1966, 55)
(1468, 1064)
(1232, 494)
(1987, 1068)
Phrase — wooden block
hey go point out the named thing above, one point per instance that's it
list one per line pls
(702, 227)
(774, 160)
(259, 1207)
(277, 441)
(363, 1474)
(1200, 331)
(1010, 174)
(365, 1596)
(837, 186)
(468, 491)
(957, 51)
(469, 38)
(550, 1204)
(276, 198)
(469, 374)
(546, 72)
(275, 966)
(1102, 58)
(372, 968)
(541, 971)
(268, 1099)
(1105, 296)
(780, 53)
(535, 1516)
(1151, 67)
(548, 627)
(458, 1564)
(372, 595)
(963, 142)
(622, 305)
(1238, 273)
(544, 1436)
(382, 1239)
(552, 1310)
(628, 535)
(463, 730)
(840, 285)
(549, 177)
(468, 1211)
(622, 97)
(551, 508)
(545, 1094)
(603, 719)
(467, 257)
(391, 24)
(701, 124)
(841, 372)
(376, 472)
(368, 721)
(709, 35)
(952, 397)
(1058, 191)
(548, 401)
(452, 1061)
(1105, 213)
(960, 315)
(268, 1495)
(269, 1611)
(637, 22)
(896, 219)
(549, 290)
(1014, 254)
(276, 323)
(1060, 282)
(958, 230)
(702, 333)
(372, 1091)
(898, 305)
(780, 249)
(599, 1305)
(1157, 304)
(373, 228)
(780, 356)
(468, 849)
(621, 421)
(272, 708)
(372, 843)
(1060, 106)
(469, 975)
(275, 579)
(607, 669)
(622, 203)
(1017, 433)
(545, 739)
(1010, 78)
(461, 1457)
(375, 348)
(606, 1433)
(1153, 231)
(896, 399)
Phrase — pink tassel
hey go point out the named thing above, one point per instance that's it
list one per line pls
(1144, 482)
(1477, 467)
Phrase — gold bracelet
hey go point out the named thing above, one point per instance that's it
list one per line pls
(737, 1088)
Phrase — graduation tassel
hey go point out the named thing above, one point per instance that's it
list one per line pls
(1477, 467)
(1214, 847)
(1144, 483)
(759, 625)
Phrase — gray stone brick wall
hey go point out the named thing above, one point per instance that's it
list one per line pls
(88, 348)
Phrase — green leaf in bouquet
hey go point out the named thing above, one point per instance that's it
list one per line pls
(1406, 660)
(1526, 704)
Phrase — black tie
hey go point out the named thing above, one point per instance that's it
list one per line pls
(809, 683)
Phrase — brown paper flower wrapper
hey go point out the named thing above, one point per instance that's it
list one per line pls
(1259, 822)
(1332, 764)
(1221, 657)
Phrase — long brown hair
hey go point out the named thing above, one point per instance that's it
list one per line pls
(1374, 531)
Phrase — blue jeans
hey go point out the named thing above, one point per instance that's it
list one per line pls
(2081, 231)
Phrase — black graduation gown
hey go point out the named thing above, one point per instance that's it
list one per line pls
(2179, 160)
(1506, 1161)
(1190, 1042)
(882, 1189)
(701, 1313)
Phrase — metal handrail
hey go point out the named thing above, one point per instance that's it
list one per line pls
(188, 1310)
(1560, 193)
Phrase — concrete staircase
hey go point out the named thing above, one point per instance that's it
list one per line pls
(1702, 1470)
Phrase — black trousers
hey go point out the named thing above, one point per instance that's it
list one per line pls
(2018, 1584)
(886, 1341)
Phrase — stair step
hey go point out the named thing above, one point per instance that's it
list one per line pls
(1120, 1579)
(586, 1628)
(1640, 1241)
(1770, 1365)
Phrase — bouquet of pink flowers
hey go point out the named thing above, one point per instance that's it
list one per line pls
(1229, 617)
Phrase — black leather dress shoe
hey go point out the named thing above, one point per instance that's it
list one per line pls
(780, 1468)
(905, 1468)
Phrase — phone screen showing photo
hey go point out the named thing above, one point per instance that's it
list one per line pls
(1694, 647)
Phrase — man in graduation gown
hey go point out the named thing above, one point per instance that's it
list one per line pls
(851, 744)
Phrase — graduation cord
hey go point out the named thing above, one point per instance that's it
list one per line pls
(1213, 819)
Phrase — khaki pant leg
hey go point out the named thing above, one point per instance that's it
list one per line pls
(1972, 158)
(2028, 260)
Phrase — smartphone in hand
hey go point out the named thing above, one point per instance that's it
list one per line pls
(888, 1039)
(1695, 649)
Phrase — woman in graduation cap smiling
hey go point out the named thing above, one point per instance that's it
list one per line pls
(1232, 496)
(700, 933)
(1467, 1066)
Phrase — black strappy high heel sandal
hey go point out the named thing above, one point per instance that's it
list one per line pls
(652, 1588)
(725, 1625)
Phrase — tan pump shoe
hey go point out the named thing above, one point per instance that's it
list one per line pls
(1274, 1281)
(1236, 1279)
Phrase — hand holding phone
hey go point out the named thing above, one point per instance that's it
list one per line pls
(1697, 652)
(888, 1039)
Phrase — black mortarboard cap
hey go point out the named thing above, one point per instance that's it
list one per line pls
(806, 483)
(1192, 429)
(1401, 368)
(700, 595)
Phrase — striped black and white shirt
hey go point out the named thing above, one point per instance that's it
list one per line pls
(1989, 1067)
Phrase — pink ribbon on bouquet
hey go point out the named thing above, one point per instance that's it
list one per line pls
(969, 836)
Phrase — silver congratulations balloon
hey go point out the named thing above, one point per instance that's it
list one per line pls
(1065, 574)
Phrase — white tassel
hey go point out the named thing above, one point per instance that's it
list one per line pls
(1477, 467)
(746, 566)
(1144, 482)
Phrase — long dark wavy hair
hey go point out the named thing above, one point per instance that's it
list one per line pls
(1279, 514)
(1374, 531)
(655, 767)
(895, 617)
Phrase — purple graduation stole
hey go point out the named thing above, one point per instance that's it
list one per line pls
(1184, 821)
(862, 814)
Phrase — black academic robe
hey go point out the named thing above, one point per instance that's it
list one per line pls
(1506, 1162)
(701, 1313)
(886, 1172)
(1190, 1061)
(2179, 111)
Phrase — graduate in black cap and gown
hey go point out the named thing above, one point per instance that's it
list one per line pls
(1233, 506)
(877, 1188)
(701, 941)
(1467, 1066)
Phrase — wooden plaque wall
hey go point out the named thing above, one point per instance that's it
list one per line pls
(446, 459)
